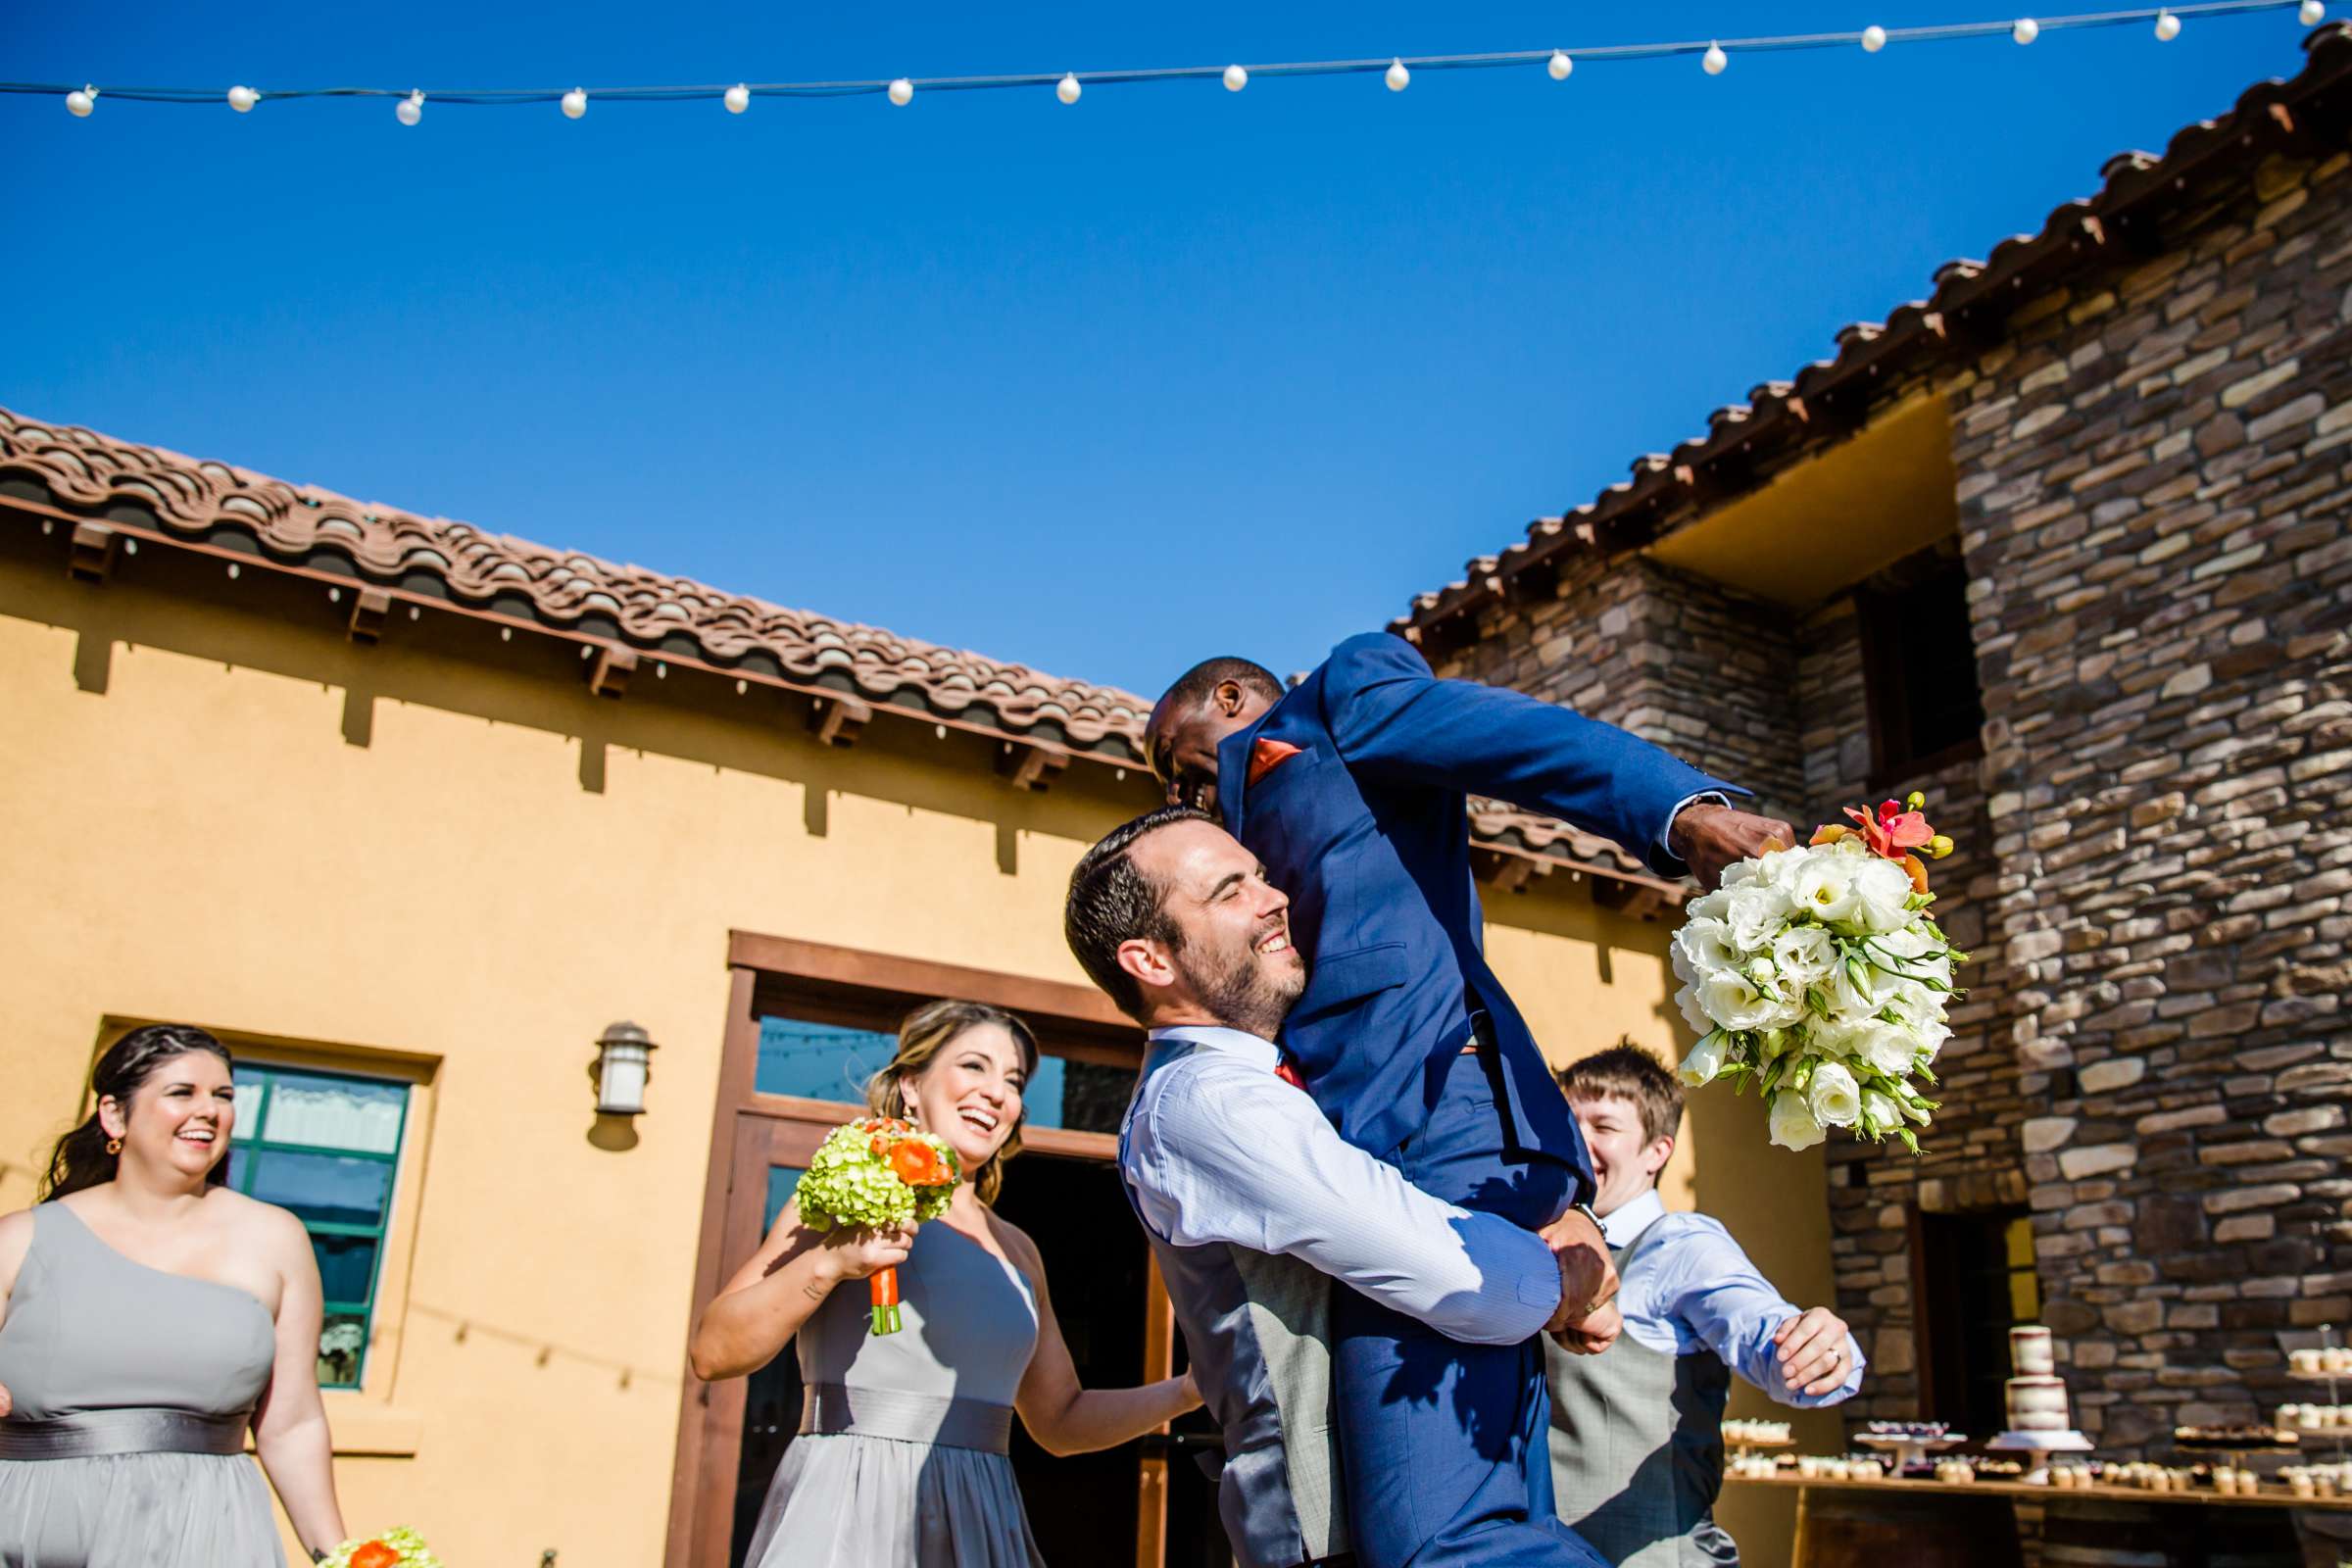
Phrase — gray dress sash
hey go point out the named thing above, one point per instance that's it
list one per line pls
(906, 1417)
(91, 1433)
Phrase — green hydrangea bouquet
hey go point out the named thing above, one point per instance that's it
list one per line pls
(878, 1173)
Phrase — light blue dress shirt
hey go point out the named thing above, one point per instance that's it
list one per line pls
(1694, 1288)
(1219, 1150)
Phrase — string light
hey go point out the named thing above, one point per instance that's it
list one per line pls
(1397, 72)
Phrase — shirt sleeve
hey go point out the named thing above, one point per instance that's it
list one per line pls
(1230, 1153)
(1733, 1309)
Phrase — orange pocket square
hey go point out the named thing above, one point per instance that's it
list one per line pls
(1267, 756)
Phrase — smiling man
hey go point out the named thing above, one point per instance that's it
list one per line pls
(1254, 1203)
(1637, 1436)
(1350, 788)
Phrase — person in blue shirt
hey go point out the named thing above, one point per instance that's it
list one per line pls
(1351, 787)
(1637, 1438)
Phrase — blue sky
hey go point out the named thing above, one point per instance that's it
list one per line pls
(1101, 388)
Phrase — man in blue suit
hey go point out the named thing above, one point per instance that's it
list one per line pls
(1349, 789)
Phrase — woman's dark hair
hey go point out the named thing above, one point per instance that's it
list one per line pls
(79, 1159)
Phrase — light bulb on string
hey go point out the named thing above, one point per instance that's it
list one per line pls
(1068, 88)
(411, 109)
(1399, 78)
(2026, 31)
(2313, 13)
(1235, 78)
(575, 103)
(1559, 65)
(1873, 38)
(1714, 60)
(242, 99)
(2168, 26)
(80, 104)
(738, 98)
(902, 92)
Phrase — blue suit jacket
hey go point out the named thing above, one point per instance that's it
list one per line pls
(1367, 831)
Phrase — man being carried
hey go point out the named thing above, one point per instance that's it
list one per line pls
(1350, 788)
(1251, 1199)
(1637, 1440)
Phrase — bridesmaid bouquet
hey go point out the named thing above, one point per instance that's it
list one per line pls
(1818, 974)
(878, 1172)
(394, 1548)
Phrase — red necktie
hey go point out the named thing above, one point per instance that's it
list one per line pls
(1288, 1071)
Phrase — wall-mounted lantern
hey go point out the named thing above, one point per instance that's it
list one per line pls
(623, 1057)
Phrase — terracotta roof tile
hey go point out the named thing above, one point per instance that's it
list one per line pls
(80, 472)
(1963, 307)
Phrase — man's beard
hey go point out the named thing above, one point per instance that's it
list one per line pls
(1243, 993)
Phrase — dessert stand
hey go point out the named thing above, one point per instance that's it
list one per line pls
(1909, 1450)
(2040, 1445)
(2339, 1435)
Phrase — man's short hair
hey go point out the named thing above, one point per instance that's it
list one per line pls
(1625, 1071)
(1192, 687)
(1112, 901)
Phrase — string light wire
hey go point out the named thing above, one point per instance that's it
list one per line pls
(1873, 38)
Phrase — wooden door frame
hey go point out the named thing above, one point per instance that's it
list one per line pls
(850, 986)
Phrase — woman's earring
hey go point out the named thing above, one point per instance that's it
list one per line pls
(113, 1145)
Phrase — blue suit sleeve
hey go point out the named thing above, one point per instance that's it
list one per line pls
(1391, 717)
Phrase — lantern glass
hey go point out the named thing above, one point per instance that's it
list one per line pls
(620, 1078)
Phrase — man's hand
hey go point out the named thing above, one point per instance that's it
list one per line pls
(1587, 1322)
(1813, 1351)
(1707, 838)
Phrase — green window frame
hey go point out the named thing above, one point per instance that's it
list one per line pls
(269, 1162)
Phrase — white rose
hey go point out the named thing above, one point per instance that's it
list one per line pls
(1879, 1113)
(1906, 942)
(1755, 915)
(1887, 1049)
(1931, 1033)
(1824, 887)
(1706, 1059)
(1792, 1123)
(1733, 1001)
(1833, 1096)
(1702, 946)
(1707, 906)
(1806, 955)
(1693, 1014)
(1883, 894)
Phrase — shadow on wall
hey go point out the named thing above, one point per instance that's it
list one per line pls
(449, 662)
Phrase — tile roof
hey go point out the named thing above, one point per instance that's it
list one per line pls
(71, 473)
(1963, 316)
(303, 525)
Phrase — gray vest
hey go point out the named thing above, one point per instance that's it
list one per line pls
(1636, 1448)
(1257, 1329)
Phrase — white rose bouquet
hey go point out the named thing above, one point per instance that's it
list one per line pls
(1818, 974)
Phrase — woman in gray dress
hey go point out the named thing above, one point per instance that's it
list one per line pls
(149, 1316)
(900, 1458)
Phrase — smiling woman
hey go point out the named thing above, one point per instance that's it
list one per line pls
(152, 1316)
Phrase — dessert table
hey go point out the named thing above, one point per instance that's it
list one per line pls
(1941, 1524)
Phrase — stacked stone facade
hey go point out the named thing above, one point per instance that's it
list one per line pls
(2154, 480)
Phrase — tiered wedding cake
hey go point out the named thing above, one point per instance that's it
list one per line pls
(2036, 1397)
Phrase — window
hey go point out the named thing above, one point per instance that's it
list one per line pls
(1919, 662)
(1975, 1281)
(326, 1146)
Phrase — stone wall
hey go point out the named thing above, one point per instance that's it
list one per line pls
(2154, 473)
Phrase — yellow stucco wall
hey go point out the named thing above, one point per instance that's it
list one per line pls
(444, 848)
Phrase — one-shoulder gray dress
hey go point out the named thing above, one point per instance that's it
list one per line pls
(133, 1387)
(900, 1458)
